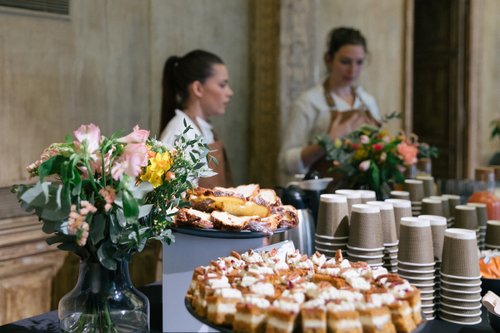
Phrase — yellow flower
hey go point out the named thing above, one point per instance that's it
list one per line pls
(360, 154)
(159, 164)
(338, 143)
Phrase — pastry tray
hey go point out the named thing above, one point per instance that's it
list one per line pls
(225, 329)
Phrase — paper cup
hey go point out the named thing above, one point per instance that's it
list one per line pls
(353, 198)
(482, 213)
(466, 217)
(400, 195)
(415, 241)
(493, 233)
(460, 253)
(389, 232)
(366, 227)
(460, 295)
(432, 207)
(459, 320)
(416, 189)
(438, 228)
(461, 305)
(333, 218)
(367, 195)
(429, 185)
(402, 208)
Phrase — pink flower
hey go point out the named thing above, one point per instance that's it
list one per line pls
(407, 152)
(365, 165)
(89, 136)
(109, 194)
(134, 157)
(378, 146)
(355, 146)
(137, 136)
(364, 139)
(383, 157)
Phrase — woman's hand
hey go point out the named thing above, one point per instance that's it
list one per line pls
(343, 123)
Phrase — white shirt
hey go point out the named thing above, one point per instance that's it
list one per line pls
(311, 117)
(176, 126)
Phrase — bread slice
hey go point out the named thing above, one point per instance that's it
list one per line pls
(193, 218)
(226, 221)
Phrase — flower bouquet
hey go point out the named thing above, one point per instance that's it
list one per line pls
(103, 198)
(373, 159)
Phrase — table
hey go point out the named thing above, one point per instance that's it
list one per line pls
(48, 323)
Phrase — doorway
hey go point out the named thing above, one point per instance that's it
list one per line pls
(441, 82)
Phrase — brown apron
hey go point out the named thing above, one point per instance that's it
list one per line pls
(322, 166)
(223, 177)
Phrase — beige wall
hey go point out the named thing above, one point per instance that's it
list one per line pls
(56, 74)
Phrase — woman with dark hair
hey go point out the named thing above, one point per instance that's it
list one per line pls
(335, 106)
(195, 88)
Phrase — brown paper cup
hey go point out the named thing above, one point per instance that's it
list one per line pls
(460, 295)
(438, 228)
(367, 195)
(366, 227)
(429, 186)
(466, 217)
(451, 287)
(453, 201)
(353, 198)
(413, 274)
(460, 253)
(462, 305)
(402, 208)
(460, 320)
(333, 218)
(493, 233)
(432, 207)
(482, 213)
(405, 195)
(416, 189)
(415, 241)
(389, 232)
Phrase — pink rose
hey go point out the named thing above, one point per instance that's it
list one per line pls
(137, 136)
(364, 139)
(365, 165)
(88, 136)
(383, 156)
(134, 157)
(407, 152)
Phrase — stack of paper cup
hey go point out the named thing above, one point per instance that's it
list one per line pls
(389, 234)
(402, 208)
(366, 241)
(482, 218)
(460, 278)
(332, 228)
(353, 198)
(416, 189)
(416, 260)
(438, 228)
(453, 201)
(492, 240)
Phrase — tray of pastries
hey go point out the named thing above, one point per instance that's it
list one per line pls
(244, 211)
(274, 292)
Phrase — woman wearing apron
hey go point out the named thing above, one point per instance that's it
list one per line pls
(195, 88)
(335, 106)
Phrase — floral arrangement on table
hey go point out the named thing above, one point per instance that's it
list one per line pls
(104, 197)
(371, 158)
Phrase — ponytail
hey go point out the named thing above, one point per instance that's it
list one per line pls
(169, 95)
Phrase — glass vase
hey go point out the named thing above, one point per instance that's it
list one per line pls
(104, 301)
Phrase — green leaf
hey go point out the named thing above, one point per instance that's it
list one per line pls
(51, 166)
(97, 228)
(375, 175)
(130, 207)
